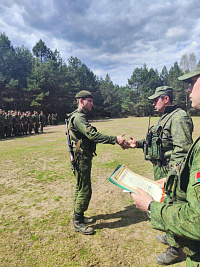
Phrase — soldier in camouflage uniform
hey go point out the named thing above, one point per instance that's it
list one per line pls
(8, 122)
(24, 122)
(166, 146)
(20, 122)
(54, 119)
(181, 215)
(42, 121)
(16, 124)
(168, 142)
(36, 122)
(49, 119)
(30, 122)
(2, 123)
(84, 138)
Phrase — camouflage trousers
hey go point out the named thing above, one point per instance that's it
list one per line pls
(83, 190)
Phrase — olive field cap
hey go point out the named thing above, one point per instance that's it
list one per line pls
(187, 77)
(84, 94)
(162, 90)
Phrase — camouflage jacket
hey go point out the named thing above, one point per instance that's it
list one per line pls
(30, 119)
(2, 119)
(8, 119)
(16, 120)
(24, 119)
(176, 135)
(35, 118)
(81, 129)
(42, 118)
(181, 217)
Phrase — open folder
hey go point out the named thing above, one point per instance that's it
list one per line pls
(128, 180)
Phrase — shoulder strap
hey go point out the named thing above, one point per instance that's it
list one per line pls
(70, 114)
(170, 115)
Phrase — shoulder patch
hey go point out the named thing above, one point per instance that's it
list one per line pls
(197, 177)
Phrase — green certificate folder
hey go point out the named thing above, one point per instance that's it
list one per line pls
(128, 180)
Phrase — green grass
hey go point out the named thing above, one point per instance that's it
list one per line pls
(36, 203)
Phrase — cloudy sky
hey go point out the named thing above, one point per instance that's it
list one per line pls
(109, 36)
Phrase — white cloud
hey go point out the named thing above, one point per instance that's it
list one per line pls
(175, 32)
(113, 37)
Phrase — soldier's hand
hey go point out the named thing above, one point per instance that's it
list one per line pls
(162, 182)
(132, 142)
(142, 199)
(121, 140)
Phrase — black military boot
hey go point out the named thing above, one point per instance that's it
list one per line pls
(170, 256)
(88, 220)
(162, 239)
(80, 225)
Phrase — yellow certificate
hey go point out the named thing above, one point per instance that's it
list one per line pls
(128, 180)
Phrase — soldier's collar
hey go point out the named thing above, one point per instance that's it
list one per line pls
(80, 110)
(169, 109)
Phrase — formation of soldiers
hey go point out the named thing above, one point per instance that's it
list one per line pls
(16, 123)
(52, 119)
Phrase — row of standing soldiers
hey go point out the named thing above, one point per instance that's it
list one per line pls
(52, 119)
(16, 123)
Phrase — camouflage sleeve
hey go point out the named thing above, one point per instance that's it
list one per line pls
(181, 132)
(85, 128)
(182, 218)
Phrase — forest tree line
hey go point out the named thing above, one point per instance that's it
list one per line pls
(41, 80)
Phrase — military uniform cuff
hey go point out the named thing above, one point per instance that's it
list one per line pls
(156, 215)
(140, 144)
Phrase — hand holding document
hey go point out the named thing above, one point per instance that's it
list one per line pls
(128, 180)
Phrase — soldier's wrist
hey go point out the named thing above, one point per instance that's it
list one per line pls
(149, 209)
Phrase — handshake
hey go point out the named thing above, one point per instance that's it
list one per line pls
(131, 143)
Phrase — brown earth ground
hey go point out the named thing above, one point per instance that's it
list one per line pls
(36, 201)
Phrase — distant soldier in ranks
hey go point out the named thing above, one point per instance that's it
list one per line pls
(8, 124)
(49, 118)
(42, 121)
(16, 123)
(20, 122)
(24, 121)
(2, 123)
(54, 119)
(36, 121)
(30, 122)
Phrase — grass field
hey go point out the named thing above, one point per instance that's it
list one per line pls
(36, 203)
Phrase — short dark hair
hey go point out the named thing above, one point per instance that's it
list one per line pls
(170, 97)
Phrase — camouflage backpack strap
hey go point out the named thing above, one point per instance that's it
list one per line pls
(166, 119)
(70, 114)
(78, 141)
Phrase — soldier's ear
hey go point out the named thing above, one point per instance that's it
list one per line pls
(166, 99)
(81, 100)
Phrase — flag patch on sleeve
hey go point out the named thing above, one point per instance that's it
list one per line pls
(197, 177)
